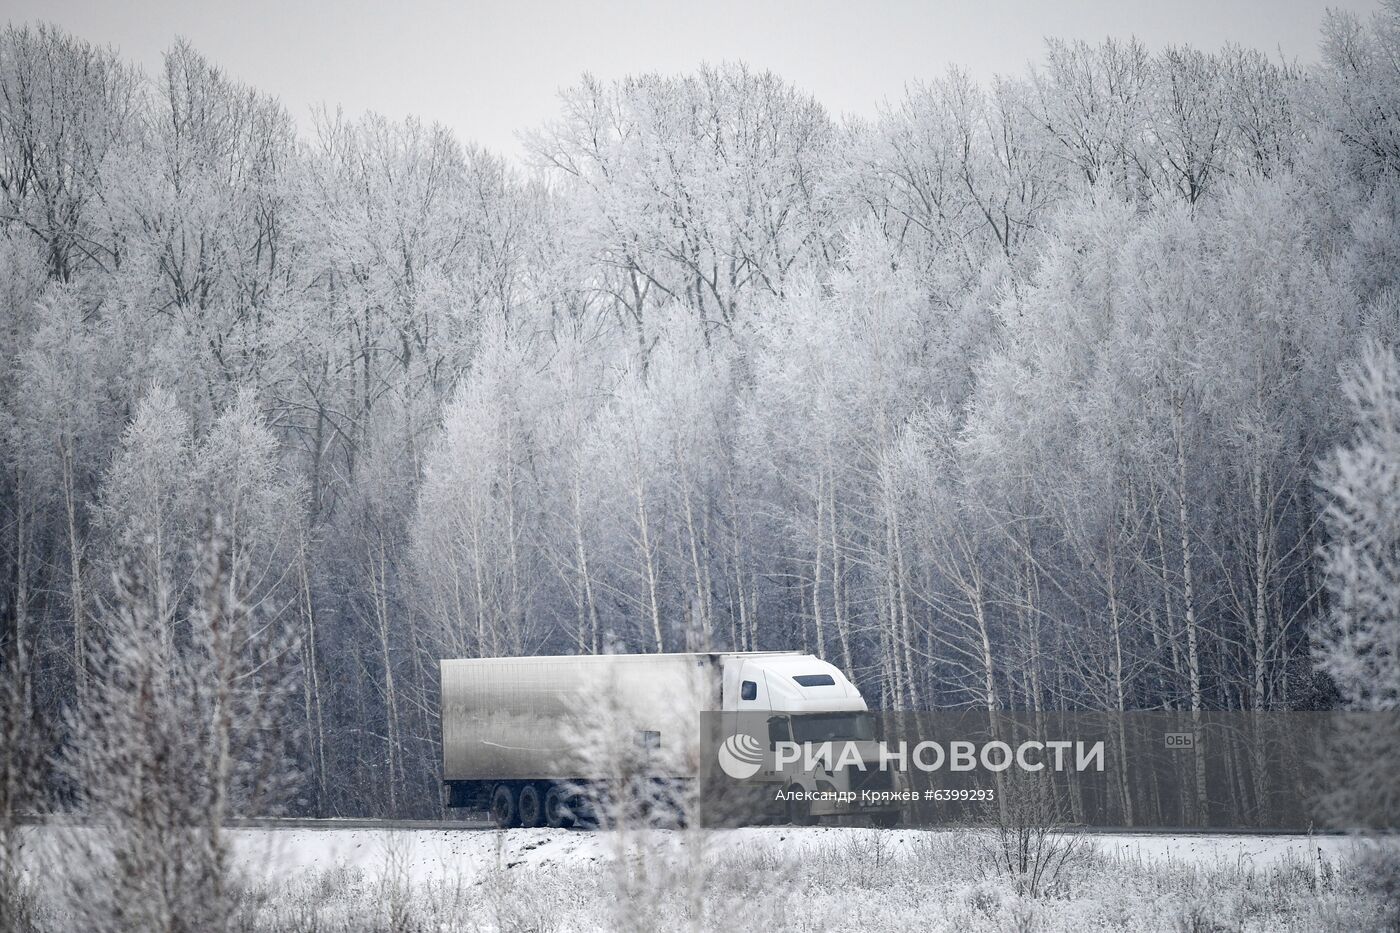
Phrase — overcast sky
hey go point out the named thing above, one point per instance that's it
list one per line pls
(489, 69)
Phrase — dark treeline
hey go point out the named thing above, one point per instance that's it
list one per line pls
(1014, 396)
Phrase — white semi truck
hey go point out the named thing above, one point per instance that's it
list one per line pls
(529, 737)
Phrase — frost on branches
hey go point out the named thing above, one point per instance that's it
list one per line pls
(180, 729)
(1359, 643)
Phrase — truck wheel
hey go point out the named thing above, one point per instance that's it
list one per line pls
(503, 809)
(799, 812)
(557, 813)
(886, 820)
(530, 807)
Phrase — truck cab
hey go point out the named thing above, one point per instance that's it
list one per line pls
(802, 699)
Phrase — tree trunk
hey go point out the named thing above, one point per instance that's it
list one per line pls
(648, 561)
(838, 608)
(906, 628)
(1259, 698)
(701, 595)
(515, 621)
(588, 627)
(75, 569)
(1193, 662)
(1120, 699)
(311, 679)
(817, 575)
(391, 701)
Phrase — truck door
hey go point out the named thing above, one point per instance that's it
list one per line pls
(744, 695)
(753, 689)
(743, 688)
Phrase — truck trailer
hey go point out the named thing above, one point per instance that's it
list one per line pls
(535, 738)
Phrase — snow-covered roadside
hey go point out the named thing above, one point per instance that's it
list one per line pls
(353, 879)
(422, 855)
(1242, 851)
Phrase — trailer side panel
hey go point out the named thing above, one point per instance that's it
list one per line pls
(561, 718)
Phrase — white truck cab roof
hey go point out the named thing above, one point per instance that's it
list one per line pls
(791, 683)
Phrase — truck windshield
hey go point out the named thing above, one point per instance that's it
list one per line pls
(829, 727)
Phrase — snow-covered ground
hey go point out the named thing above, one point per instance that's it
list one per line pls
(779, 878)
(435, 855)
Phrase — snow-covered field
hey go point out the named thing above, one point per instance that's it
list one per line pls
(788, 878)
(423, 856)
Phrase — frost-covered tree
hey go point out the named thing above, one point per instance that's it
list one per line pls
(62, 432)
(1363, 82)
(1090, 105)
(474, 526)
(66, 108)
(695, 190)
(22, 747)
(146, 502)
(175, 736)
(238, 476)
(1358, 642)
